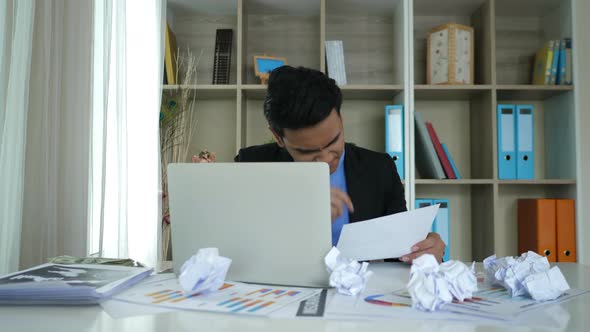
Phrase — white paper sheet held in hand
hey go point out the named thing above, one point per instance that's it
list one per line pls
(386, 237)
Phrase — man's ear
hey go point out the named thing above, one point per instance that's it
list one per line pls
(278, 137)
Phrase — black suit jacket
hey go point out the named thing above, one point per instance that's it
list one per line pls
(371, 178)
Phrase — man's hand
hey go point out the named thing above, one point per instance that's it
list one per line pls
(337, 200)
(433, 244)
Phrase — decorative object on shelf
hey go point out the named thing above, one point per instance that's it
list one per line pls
(263, 65)
(335, 61)
(222, 59)
(204, 157)
(450, 54)
(177, 126)
(170, 58)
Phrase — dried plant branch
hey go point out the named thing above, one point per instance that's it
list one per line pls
(178, 120)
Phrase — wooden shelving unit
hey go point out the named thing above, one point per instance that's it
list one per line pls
(384, 50)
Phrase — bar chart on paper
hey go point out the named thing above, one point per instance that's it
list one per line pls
(386, 300)
(232, 297)
(175, 296)
(257, 300)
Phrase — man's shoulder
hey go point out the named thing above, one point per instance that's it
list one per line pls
(261, 153)
(363, 155)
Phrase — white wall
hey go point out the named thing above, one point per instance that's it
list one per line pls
(581, 49)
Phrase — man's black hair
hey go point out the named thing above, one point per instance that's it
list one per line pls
(299, 98)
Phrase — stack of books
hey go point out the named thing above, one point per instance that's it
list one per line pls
(68, 284)
(433, 158)
(553, 63)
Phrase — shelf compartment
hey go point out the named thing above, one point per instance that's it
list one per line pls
(289, 29)
(521, 29)
(464, 126)
(506, 225)
(429, 14)
(372, 35)
(554, 137)
(195, 23)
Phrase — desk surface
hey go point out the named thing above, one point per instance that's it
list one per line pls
(390, 275)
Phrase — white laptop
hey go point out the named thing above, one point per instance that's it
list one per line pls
(271, 219)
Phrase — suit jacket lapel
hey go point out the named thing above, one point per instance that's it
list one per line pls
(353, 179)
(284, 155)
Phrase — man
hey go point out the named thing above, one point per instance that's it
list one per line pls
(302, 107)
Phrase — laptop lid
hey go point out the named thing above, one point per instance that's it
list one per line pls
(272, 219)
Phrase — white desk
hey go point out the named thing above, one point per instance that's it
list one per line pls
(390, 275)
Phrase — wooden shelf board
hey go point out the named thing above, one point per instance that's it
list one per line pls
(530, 92)
(449, 92)
(454, 182)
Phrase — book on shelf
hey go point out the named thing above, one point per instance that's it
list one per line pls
(68, 284)
(553, 63)
(440, 152)
(170, 54)
(222, 57)
(451, 161)
(561, 64)
(543, 63)
(335, 61)
(427, 162)
(569, 79)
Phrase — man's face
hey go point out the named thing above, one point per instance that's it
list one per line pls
(321, 142)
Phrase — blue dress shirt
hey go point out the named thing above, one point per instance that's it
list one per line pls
(338, 180)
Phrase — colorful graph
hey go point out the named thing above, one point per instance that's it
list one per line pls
(238, 304)
(289, 293)
(175, 296)
(232, 297)
(169, 296)
(374, 299)
(277, 292)
(262, 291)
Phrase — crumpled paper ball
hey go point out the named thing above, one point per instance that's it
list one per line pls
(204, 272)
(348, 276)
(527, 275)
(461, 279)
(432, 285)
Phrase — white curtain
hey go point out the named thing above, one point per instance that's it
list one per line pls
(124, 199)
(57, 150)
(16, 33)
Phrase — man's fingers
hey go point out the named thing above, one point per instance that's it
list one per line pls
(340, 197)
(413, 255)
(422, 245)
(337, 210)
(433, 244)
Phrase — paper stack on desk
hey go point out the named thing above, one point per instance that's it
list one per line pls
(67, 284)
